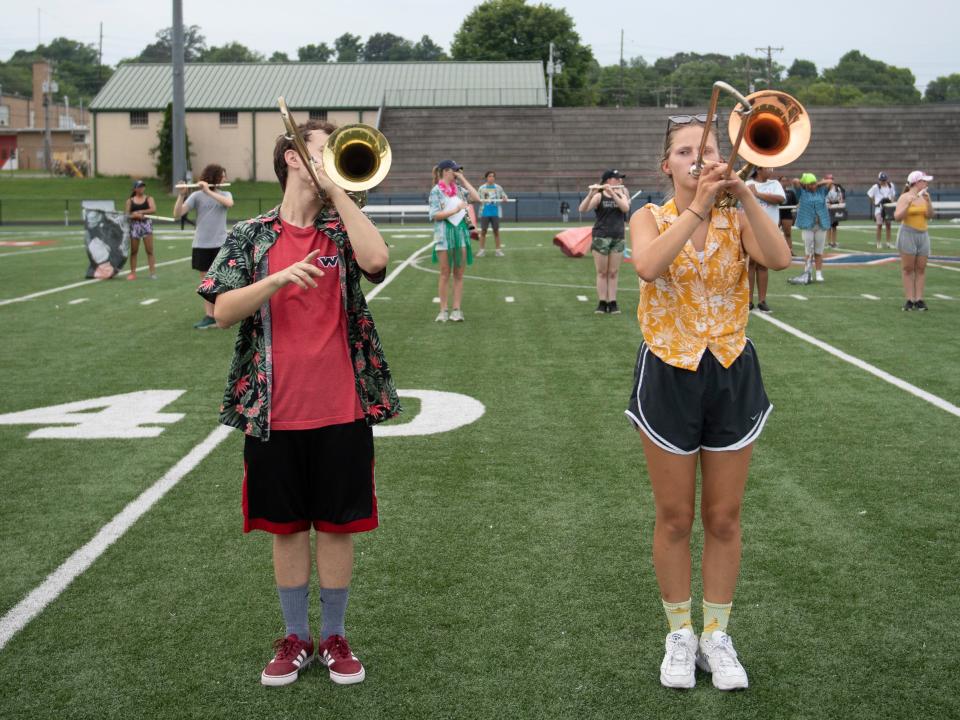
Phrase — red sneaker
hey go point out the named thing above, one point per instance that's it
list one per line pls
(293, 655)
(344, 667)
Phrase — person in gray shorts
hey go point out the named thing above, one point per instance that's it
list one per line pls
(914, 209)
(211, 205)
(611, 202)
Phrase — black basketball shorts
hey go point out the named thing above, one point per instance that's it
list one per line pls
(713, 408)
(301, 478)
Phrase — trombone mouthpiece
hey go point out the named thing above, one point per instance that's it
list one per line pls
(695, 170)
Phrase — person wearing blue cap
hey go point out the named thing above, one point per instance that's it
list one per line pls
(449, 197)
(882, 192)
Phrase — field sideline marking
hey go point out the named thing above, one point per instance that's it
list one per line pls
(58, 581)
(865, 366)
(31, 296)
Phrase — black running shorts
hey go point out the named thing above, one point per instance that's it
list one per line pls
(714, 408)
(202, 258)
(301, 478)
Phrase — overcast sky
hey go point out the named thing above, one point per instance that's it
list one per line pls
(817, 31)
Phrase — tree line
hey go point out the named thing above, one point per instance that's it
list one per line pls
(516, 30)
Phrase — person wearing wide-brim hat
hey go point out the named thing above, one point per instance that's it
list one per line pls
(914, 209)
(813, 218)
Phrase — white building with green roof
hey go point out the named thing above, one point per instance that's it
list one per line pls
(231, 108)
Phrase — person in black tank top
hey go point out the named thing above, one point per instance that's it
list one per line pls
(786, 213)
(138, 206)
(611, 203)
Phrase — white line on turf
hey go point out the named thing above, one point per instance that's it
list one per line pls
(34, 251)
(508, 298)
(868, 296)
(865, 366)
(57, 581)
(582, 298)
(78, 301)
(942, 296)
(943, 267)
(799, 297)
(150, 301)
(32, 296)
(396, 271)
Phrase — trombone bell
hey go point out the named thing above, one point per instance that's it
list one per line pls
(357, 157)
(777, 131)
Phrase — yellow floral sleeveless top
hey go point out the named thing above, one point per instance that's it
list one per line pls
(695, 306)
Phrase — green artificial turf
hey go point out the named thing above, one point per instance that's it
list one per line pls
(511, 573)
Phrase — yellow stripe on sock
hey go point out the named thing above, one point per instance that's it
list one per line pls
(716, 616)
(678, 615)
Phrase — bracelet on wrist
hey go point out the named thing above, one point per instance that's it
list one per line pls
(702, 218)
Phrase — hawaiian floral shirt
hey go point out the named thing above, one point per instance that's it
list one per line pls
(696, 305)
(242, 261)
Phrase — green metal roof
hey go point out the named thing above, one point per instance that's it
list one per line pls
(330, 86)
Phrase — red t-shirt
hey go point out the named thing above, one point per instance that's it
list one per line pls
(313, 380)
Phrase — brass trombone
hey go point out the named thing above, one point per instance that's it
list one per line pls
(772, 126)
(355, 157)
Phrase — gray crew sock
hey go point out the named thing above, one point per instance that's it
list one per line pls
(334, 604)
(295, 604)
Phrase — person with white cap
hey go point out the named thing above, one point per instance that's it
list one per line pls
(882, 192)
(914, 209)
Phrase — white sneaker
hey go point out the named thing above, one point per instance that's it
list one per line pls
(456, 315)
(891, 246)
(480, 253)
(819, 276)
(717, 656)
(678, 669)
(498, 252)
(443, 316)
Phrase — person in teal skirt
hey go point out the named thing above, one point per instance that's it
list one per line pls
(449, 199)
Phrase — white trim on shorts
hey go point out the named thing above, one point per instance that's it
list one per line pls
(645, 426)
(662, 443)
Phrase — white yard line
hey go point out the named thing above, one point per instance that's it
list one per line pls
(799, 297)
(942, 296)
(32, 296)
(865, 366)
(868, 296)
(58, 581)
(396, 271)
(150, 301)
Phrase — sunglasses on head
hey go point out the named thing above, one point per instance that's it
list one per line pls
(687, 119)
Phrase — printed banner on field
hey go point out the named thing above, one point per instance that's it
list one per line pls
(106, 237)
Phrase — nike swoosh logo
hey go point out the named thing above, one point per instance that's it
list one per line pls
(754, 417)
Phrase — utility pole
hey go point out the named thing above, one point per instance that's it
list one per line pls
(179, 119)
(100, 54)
(550, 78)
(48, 88)
(620, 97)
(769, 51)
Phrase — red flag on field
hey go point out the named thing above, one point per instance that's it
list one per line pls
(574, 242)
